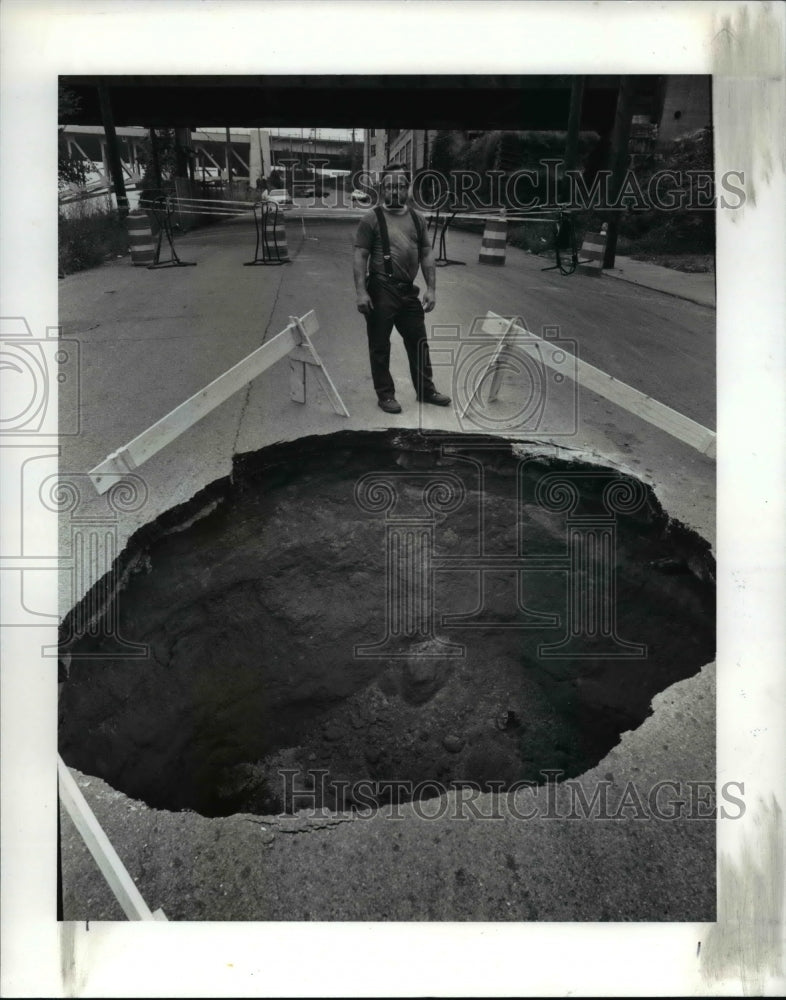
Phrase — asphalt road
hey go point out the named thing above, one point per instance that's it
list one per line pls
(150, 339)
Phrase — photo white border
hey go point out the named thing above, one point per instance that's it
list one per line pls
(42, 40)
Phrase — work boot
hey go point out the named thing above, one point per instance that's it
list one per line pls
(437, 398)
(389, 404)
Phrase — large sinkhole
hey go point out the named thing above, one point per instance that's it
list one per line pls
(390, 609)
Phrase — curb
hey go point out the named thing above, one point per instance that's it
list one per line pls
(677, 295)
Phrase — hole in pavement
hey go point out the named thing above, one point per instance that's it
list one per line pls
(358, 608)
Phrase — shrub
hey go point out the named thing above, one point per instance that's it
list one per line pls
(641, 230)
(89, 237)
(535, 239)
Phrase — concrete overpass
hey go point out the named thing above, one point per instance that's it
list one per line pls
(445, 101)
(89, 142)
(603, 104)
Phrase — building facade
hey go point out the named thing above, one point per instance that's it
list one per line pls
(409, 147)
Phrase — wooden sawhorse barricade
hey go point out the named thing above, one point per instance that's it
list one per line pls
(294, 341)
(513, 338)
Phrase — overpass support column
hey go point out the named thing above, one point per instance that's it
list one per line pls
(618, 159)
(154, 157)
(229, 155)
(574, 120)
(184, 154)
(112, 149)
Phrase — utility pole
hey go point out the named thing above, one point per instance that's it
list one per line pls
(192, 159)
(574, 122)
(154, 156)
(112, 149)
(618, 160)
(182, 147)
(229, 156)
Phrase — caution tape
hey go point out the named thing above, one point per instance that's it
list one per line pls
(204, 206)
(214, 201)
(186, 205)
(508, 217)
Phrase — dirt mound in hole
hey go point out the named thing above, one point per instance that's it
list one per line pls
(305, 636)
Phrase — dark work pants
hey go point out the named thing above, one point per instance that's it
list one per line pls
(399, 306)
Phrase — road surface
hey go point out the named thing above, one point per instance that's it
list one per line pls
(150, 339)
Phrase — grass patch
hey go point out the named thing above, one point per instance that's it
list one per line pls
(88, 237)
(536, 238)
(684, 240)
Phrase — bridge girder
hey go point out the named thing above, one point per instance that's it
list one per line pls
(477, 101)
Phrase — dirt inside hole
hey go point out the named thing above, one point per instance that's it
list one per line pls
(254, 597)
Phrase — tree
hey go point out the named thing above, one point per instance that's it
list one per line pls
(70, 170)
(442, 156)
(167, 156)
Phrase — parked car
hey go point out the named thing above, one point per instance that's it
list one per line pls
(281, 197)
(359, 197)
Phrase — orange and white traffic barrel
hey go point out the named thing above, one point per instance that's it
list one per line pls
(593, 249)
(494, 241)
(277, 237)
(140, 238)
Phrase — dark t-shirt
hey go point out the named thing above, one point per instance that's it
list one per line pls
(404, 250)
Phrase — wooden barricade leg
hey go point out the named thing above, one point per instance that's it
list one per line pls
(105, 856)
(494, 368)
(297, 379)
(304, 355)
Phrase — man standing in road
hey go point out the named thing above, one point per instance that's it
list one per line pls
(391, 243)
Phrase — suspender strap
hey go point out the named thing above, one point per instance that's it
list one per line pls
(383, 235)
(418, 228)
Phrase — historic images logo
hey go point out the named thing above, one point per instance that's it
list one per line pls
(35, 372)
(666, 800)
(413, 505)
(527, 190)
(40, 402)
(495, 352)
